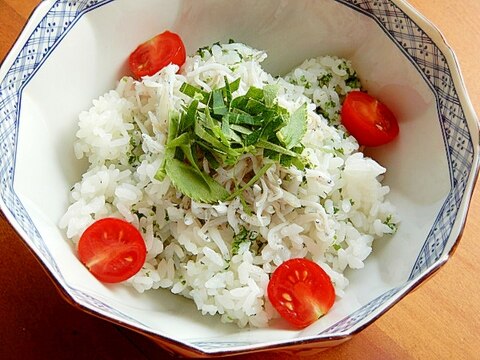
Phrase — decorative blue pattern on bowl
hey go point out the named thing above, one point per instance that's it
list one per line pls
(421, 50)
(415, 44)
(41, 43)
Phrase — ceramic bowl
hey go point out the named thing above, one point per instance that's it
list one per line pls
(70, 52)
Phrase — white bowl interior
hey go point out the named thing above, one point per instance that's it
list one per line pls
(91, 58)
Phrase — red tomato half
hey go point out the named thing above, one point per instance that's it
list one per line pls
(301, 292)
(153, 55)
(368, 120)
(112, 249)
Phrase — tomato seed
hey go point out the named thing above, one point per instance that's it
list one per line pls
(304, 274)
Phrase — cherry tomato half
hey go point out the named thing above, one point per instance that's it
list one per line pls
(301, 292)
(368, 120)
(154, 54)
(112, 249)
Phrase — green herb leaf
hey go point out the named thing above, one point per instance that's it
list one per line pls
(194, 92)
(230, 88)
(277, 148)
(270, 93)
(273, 123)
(293, 132)
(192, 183)
(179, 141)
(245, 206)
(240, 129)
(188, 119)
(243, 119)
(218, 103)
(173, 126)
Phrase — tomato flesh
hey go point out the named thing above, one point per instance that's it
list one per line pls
(112, 249)
(368, 120)
(154, 54)
(301, 291)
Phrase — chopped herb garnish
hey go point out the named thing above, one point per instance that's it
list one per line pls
(325, 80)
(353, 82)
(243, 236)
(221, 129)
(390, 224)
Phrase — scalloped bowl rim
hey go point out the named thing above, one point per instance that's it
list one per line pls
(9, 204)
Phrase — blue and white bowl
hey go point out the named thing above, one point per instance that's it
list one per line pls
(73, 51)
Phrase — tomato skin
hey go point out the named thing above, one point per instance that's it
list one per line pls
(368, 120)
(154, 54)
(112, 249)
(301, 291)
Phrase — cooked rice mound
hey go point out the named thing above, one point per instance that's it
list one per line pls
(329, 212)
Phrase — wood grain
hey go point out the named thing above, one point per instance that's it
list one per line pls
(440, 320)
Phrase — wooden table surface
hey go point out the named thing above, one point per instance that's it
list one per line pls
(440, 320)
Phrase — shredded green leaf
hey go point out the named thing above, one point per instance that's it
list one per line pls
(194, 92)
(224, 128)
(292, 134)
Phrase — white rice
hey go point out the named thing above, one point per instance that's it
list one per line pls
(330, 213)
